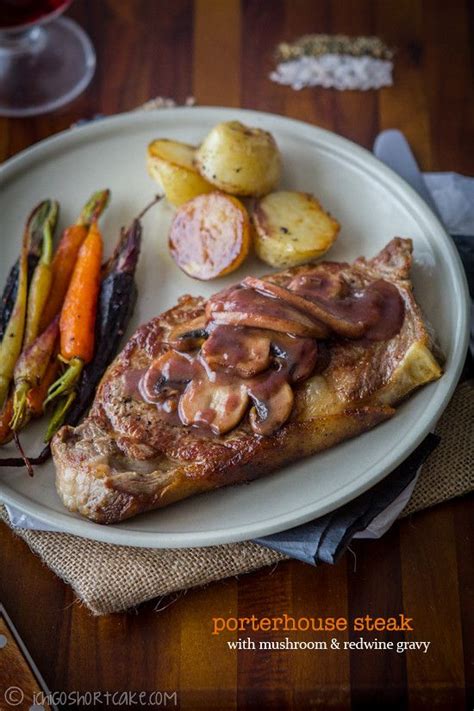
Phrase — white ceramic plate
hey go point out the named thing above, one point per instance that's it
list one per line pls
(371, 203)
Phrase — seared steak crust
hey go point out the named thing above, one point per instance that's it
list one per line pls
(125, 458)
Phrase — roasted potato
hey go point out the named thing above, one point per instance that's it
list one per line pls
(210, 235)
(291, 228)
(239, 160)
(171, 164)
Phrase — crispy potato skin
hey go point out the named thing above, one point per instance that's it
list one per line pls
(240, 160)
(171, 165)
(210, 235)
(291, 228)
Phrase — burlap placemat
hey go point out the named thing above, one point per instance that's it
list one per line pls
(110, 578)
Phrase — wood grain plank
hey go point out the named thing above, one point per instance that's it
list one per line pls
(264, 676)
(262, 29)
(377, 679)
(145, 52)
(405, 105)
(354, 112)
(463, 511)
(124, 652)
(216, 67)
(16, 673)
(208, 667)
(36, 600)
(449, 83)
(320, 679)
(4, 138)
(431, 596)
(310, 104)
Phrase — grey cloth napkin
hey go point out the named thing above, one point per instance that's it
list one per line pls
(371, 514)
(326, 538)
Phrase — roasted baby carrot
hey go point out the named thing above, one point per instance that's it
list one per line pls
(30, 369)
(7, 301)
(39, 288)
(67, 252)
(78, 314)
(12, 341)
(117, 296)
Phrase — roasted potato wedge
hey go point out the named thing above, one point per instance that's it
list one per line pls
(240, 160)
(210, 235)
(171, 164)
(291, 228)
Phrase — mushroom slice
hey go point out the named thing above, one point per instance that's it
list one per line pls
(217, 406)
(166, 376)
(326, 314)
(273, 402)
(245, 306)
(272, 323)
(243, 351)
(298, 356)
(190, 335)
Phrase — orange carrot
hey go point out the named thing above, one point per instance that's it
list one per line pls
(67, 252)
(63, 266)
(76, 324)
(77, 320)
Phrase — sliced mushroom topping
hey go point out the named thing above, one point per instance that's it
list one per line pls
(385, 310)
(297, 356)
(166, 376)
(242, 351)
(258, 338)
(190, 335)
(273, 402)
(378, 307)
(337, 321)
(244, 306)
(323, 285)
(219, 407)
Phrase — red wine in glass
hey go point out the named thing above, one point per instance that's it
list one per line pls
(15, 13)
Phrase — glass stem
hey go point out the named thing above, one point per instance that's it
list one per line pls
(21, 42)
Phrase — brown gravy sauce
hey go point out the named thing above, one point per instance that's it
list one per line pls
(211, 386)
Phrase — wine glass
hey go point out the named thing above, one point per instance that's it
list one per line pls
(45, 60)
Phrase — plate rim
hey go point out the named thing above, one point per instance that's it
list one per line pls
(77, 525)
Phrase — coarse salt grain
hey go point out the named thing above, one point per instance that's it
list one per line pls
(338, 71)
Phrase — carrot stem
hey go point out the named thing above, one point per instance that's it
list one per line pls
(59, 414)
(67, 381)
(27, 462)
(93, 208)
(19, 405)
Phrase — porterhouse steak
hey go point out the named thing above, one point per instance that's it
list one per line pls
(126, 457)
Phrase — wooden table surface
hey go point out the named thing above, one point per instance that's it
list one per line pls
(220, 51)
